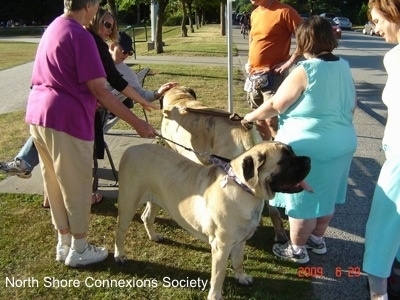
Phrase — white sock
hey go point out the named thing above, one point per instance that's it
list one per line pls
(64, 239)
(79, 244)
(381, 297)
(316, 239)
(297, 249)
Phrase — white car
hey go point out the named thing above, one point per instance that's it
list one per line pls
(343, 22)
(369, 28)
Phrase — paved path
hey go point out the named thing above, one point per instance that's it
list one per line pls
(345, 236)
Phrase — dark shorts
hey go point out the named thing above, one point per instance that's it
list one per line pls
(258, 96)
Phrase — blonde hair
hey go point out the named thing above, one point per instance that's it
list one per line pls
(97, 20)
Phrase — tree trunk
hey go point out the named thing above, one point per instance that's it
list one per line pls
(222, 17)
(197, 19)
(184, 17)
(162, 5)
(190, 13)
(138, 17)
(113, 8)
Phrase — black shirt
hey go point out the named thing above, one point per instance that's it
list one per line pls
(113, 76)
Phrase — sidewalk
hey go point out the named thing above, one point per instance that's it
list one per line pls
(345, 236)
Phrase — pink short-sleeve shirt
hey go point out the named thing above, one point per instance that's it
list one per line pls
(67, 57)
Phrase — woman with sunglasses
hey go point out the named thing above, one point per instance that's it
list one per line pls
(103, 27)
(68, 80)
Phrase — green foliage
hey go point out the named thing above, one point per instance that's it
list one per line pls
(363, 14)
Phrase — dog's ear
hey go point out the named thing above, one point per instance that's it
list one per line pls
(250, 166)
(192, 92)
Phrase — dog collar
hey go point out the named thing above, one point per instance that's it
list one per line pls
(225, 165)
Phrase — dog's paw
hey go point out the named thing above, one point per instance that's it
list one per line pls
(244, 279)
(120, 260)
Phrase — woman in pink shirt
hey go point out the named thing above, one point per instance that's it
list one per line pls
(67, 81)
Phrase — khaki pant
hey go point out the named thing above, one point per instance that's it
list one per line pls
(66, 164)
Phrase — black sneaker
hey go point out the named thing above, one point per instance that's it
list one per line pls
(393, 286)
(319, 248)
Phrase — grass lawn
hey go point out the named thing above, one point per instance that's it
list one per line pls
(28, 247)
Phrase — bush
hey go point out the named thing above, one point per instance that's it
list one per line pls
(23, 30)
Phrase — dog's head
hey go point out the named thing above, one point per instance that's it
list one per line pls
(271, 167)
(177, 95)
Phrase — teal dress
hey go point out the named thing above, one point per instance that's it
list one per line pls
(320, 125)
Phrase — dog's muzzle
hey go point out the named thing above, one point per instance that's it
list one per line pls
(290, 178)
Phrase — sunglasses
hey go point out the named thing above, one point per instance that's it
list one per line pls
(130, 53)
(107, 25)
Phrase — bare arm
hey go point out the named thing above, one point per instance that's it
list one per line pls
(289, 91)
(131, 93)
(98, 88)
(281, 68)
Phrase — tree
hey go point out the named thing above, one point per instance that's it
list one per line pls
(184, 17)
(113, 8)
(162, 5)
(190, 14)
(222, 18)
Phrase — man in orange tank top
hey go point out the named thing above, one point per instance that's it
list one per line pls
(272, 26)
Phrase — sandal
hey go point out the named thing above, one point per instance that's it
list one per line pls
(96, 198)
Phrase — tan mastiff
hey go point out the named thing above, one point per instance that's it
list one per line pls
(220, 207)
(208, 130)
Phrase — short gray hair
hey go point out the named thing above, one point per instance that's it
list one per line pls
(75, 5)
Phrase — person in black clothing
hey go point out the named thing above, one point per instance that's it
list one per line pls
(245, 22)
(103, 27)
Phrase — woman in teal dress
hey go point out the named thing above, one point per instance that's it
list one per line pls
(315, 105)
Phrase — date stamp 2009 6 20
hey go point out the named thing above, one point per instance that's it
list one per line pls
(314, 271)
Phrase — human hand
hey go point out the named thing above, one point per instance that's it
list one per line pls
(165, 87)
(247, 68)
(246, 124)
(149, 106)
(145, 130)
(282, 67)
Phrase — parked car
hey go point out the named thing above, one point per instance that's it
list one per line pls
(369, 28)
(344, 23)
(327, 15)
(304, 16)
(337, 31)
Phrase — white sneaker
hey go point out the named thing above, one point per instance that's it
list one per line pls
(91, 255)
(286, 251)
(16, 167)
(62, 252)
